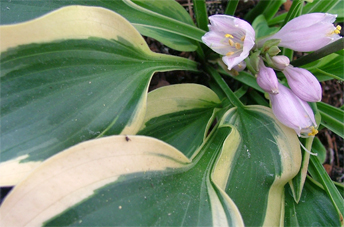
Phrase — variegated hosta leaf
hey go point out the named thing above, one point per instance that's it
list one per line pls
(122, 181)
(180, 115)
(258, 158)
(75, 74)
(166, 21)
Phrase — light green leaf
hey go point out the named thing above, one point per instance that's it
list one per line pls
(180, 115)
(261, 27)
(314, 208)
(319, 149)
(338, 10)
(157, 24)
(320, 6)
(258, 158)
(72, 75)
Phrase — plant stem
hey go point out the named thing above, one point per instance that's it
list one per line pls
(229, 93)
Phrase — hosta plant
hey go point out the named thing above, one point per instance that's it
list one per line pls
(84, 143)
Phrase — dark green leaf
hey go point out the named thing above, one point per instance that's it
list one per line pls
(314, 208)
(231, 7)
(201, 14)
(332, 118)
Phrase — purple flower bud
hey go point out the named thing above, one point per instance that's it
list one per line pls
(280, 61)
(303, 83)
(308, 32)
(267, 79)
(293, 112)
(231, 37)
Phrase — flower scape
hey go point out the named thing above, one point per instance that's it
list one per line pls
(234, 39)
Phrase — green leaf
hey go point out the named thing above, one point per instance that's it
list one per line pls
(201, 14)
(318, 172)
(327, 68)
(136, 180)
(160, 25)
(244, 77)
(332, 118)
(314, 208)
(180, 115)
(258, 158)
(297, 183)
(278, 20)
(272, 8)
(261, 27)
(338, 10)
(61, 88)
(318, 148)
(320, 6)
(231, 7)
(123, 182)
(257, 10)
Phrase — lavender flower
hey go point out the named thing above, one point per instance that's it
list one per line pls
(231, 37)
(293, 112)
(303, 83)
(267, 79)
(307, 32)
(280, 61)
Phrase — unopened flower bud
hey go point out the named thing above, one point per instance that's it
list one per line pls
(269, 44)
(308, 32)
(280, 62)
(303, 83)
(293, 112)
(267, 79)
(273, 51)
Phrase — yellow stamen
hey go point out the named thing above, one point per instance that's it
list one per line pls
(313, 132)
(337, 30)
(229, 36)
(231, 42)
(229, 53)
(237, 46)
(243, 38)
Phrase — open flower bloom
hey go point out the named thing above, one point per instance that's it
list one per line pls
(231, 37)
(308, 32)
(267, 79)
(303, 83)
(293, 112)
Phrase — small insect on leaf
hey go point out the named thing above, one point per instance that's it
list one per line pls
(127, 138)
